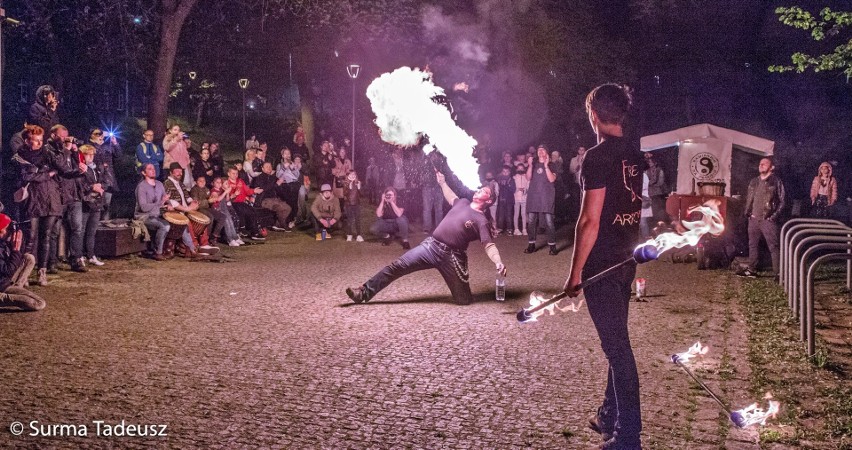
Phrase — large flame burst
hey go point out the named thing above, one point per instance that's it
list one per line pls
(711, 222)
(405, 112)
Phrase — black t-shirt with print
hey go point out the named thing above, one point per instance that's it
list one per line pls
(615, 164)
(462, 225)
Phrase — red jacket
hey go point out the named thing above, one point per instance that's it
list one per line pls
(239, 191)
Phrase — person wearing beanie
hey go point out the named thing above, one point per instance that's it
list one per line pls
(15, 269)
(325, 212)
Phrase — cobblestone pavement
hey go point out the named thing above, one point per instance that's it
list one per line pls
(268, 352)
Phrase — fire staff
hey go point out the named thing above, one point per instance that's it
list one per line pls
(611, 184)
(445, 250)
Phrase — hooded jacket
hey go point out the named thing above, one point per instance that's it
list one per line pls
(40, 114)
(326, 209)
(832, 185)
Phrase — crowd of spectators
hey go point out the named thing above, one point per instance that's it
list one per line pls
(191, 200)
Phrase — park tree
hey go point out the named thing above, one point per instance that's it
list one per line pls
(825, 26)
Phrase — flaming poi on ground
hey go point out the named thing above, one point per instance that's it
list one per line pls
(742, 418)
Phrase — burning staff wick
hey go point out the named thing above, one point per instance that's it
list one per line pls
(711, 222)
(641, 255)
(742, 418)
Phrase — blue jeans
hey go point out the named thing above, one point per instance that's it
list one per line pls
(430, 254)
(433, 203)
(398, 226)
(91, 221)
(73, 215)
(160, 228)
(532, 227)
(609, 301)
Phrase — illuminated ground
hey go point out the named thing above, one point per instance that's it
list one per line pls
(268, 351)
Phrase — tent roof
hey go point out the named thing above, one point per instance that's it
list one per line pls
(739, 139)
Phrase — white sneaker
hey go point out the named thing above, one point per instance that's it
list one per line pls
(207, 247)
(94, 260)
(517, 232)
(233, 243)
(241, 242)
(291, 224)
(359, 239)
(348, 238)
(525, 232)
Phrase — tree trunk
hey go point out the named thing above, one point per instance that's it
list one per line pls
(174, 13)
(199, 112)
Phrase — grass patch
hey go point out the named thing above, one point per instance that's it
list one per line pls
(805, 388)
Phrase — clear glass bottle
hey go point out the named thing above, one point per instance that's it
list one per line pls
(500, 287)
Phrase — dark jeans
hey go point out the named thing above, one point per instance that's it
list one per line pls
(353, 219)
(318, 226)
(217, 219)
(91, 221)
(433, 203)
(72, 214)
(290, 195)
(532, 227)
(398, 226)
(769, 230)
(248, 216)
(39, 243)
(105, 214)
(430, 254)
(504, 214)
(608, 301)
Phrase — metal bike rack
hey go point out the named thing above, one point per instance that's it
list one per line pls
(824, 243)
(786, 272)
(796, 291)
(785, 233)
(809, 296)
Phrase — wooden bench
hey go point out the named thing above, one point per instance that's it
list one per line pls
(111, 242)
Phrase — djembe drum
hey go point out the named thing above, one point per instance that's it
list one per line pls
(198, 222)
(178, 222)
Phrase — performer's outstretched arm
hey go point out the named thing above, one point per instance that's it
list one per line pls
(494, 256)
(449, 195)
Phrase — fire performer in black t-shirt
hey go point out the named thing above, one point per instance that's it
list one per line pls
(607, 231)
(445, 250)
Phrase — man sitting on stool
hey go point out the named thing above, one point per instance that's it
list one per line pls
(391, 219)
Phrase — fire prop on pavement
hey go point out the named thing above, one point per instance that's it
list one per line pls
(711, 222)
(742, 418)
(406, 110)
(641, 254)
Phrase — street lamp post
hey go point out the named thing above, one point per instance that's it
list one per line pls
(353, 70)
(243, 85)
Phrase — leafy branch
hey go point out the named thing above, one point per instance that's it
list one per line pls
(827, 24)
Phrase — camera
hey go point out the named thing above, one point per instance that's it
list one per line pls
(74, 141)
(185, 136)
(388, 196)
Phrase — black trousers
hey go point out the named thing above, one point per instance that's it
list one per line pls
(248, 216)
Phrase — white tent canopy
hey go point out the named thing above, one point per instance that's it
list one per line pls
(705, 152)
